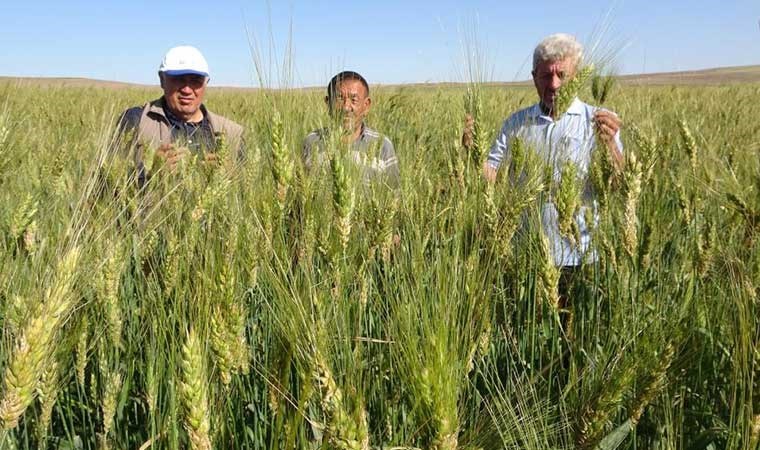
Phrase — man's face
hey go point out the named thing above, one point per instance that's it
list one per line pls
(549, 76)
(351, 103)
(184, 94)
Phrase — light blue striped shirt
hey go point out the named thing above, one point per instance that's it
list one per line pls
(571, 137)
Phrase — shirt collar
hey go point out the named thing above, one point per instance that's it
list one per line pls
(575, 109)
(362, 137)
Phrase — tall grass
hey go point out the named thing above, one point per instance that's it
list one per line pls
(258, 305)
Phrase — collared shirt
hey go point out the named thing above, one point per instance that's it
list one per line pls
(372, 153)
(197, 136)
(569, 138)
(164, 127)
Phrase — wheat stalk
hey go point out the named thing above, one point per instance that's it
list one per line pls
(107, 286)
(570, 90)
(342, 432)
(690, 144)
(474, 108)
(282, 166)
(23, 216)
(111, 390)
(568, 202)
(47, 392)
(632, 194)
(35, 343)
(81, 351)
(657, 382)
(194, 393)
(343, 201)
(548, 275)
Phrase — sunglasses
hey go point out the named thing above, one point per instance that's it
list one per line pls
(194, 81)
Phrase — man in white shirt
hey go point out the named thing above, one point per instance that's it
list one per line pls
(559, 136)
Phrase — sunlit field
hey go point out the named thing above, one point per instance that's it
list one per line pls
(255, 305)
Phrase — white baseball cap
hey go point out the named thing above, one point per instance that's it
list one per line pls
(184, 60)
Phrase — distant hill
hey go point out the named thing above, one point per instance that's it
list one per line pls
(722, 75)
(716, 76)
(70, 82)
(705, 77)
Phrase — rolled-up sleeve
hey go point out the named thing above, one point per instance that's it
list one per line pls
(500, 148)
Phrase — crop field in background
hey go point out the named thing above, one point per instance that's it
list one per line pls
(256, 306)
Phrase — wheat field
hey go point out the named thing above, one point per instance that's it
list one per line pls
(255, 305)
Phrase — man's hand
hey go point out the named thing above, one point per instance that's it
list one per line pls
(607, 125)
(169, 157)
(489, 173)
(467, 138)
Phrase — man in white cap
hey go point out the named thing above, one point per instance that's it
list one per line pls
(178, 124)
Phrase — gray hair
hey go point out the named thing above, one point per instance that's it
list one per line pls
(556, 48)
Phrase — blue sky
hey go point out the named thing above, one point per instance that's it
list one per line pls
(389, 42)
